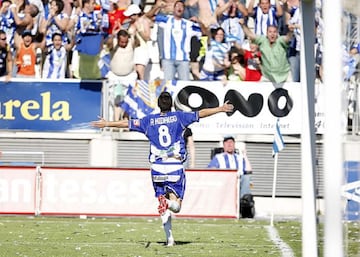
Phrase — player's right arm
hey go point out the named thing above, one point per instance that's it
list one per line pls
(211, 111)
(102, 123)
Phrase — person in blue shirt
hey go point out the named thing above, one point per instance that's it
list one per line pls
(230, 159)
(165, 131)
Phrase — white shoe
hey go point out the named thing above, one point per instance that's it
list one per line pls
(170, 242)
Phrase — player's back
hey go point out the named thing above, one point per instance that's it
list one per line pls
(165, 133)
(165, 130)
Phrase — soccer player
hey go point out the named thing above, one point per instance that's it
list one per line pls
(165, 131)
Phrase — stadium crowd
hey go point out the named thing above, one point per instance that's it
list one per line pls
(114, 39)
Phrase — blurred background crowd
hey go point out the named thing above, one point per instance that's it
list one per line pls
(127, 40)
(191, 39)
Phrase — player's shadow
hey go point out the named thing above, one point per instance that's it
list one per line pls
(176, 242)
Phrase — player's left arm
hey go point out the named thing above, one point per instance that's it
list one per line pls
(227, 107)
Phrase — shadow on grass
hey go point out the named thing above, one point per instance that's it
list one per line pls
(164, 243)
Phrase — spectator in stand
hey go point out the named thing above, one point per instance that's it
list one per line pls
(252, 60)
(57, 21)
(89, 41)
(236, 71)
(26, 55)
(275, 66)
(74, 15)
(264, 15)
(319, 30)
(294, 17)
(89, 21)
(116, 16)
(38, 19)
(7, 23)
(209, 10)
(229, 159)
(216, 57)
(24, 15)
(191, 11)
(176, 45)
(195, 58)
(230, 22)
(6, 62)
(73, 19)
(55, 65)
(140, 26)
(163, 7)
(214, 12)
(198, 47)
(245, 64)
(122, 66)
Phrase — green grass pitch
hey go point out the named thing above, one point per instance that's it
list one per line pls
(135, 237)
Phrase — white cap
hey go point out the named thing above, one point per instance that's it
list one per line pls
(114, 1)
(132, 9)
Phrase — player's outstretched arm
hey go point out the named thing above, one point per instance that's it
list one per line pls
(101, 123)
(211, 111)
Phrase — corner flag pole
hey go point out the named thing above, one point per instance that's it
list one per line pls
(274, 189)
(278, 145)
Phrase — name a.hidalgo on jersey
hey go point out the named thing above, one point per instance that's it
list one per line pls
(33, 110)
(163, 120)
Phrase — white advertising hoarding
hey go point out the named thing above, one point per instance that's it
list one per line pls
(17, 190)
(111, 192)
(129, 192)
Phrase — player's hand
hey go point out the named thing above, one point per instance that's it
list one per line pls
(101, 123)
(227, 107)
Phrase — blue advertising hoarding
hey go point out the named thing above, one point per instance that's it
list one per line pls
(352, 190)
(49, 105)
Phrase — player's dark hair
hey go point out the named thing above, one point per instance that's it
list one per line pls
(165, 102)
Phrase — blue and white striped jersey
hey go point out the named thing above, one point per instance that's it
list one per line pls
(233, 30)
(7, 24)
(216, 54)
(53, 27)
(87, 23)
(228, 161)
(177, 36)
(262, 21)
(55, 64)
(165, 133)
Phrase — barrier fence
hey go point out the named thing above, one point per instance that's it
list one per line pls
(111, 192)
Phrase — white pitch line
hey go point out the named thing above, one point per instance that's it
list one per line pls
(285, 249)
